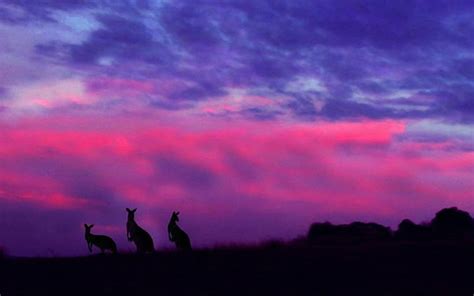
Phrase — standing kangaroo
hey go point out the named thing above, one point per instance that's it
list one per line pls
(101, 241)
(138, 235)
(177, 235)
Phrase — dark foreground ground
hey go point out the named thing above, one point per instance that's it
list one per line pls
(384, 269)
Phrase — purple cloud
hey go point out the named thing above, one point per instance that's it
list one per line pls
(270, 43)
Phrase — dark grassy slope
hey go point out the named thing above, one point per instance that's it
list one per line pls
(378, 269)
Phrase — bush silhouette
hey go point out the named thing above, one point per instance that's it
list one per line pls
(318, 230)
(355, 232)
(452, 223)
(449, 223)
(408, 230)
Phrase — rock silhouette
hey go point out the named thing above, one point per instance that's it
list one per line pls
(103, 242)
(138, 235)
(177, 235)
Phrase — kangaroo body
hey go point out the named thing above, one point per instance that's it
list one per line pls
(103, 242)
(177, 235)
(138, 235)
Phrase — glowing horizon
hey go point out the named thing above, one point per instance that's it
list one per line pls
(252, 119)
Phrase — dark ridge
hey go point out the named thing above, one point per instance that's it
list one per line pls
(448, 224)
(436, 268)
(435, 258)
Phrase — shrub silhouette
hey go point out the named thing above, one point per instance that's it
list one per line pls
(177, 235)
(347, 233)
(101, 241)
(321, 232)
(138, 235)
(452, 223)
(408, 230)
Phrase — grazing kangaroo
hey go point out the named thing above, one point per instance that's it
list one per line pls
(101, 241)
(177, 235)
(138, 235)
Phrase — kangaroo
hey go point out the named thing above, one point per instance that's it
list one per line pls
(101, 241)
(177, 235)
(138, 235)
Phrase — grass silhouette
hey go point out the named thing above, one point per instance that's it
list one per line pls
(330, 260)
(396, 268)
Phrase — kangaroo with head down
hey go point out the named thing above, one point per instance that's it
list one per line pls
(138, 235)
(177, 235)
(101, 241)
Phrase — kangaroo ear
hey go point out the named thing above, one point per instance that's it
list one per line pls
(177, 213)
(85, 225)
(128, 210)
(92, 225)
(134, 210)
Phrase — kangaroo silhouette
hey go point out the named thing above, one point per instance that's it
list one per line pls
(177, 235)
(103, 242)
(138, 235)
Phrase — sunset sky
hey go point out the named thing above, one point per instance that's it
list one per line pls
(252, 118)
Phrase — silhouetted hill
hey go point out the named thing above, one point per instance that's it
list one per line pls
(351, 259)
(378, 269)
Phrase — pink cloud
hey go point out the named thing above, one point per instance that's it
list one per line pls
(217, 173)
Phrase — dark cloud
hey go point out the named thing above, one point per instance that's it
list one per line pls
(198, 92)
(169, 104)
(119, 38)
(457, 103)
(355, 49)
(303, 107)
(464, 67)
(23, 11)
(259, 113)
(371, 87)
(337, 109)
(48, 4)
(192, 28)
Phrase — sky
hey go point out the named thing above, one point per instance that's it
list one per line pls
(252, 118)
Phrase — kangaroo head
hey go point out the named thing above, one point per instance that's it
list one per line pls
(131, 213)
(88, 227)
(175, 217)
